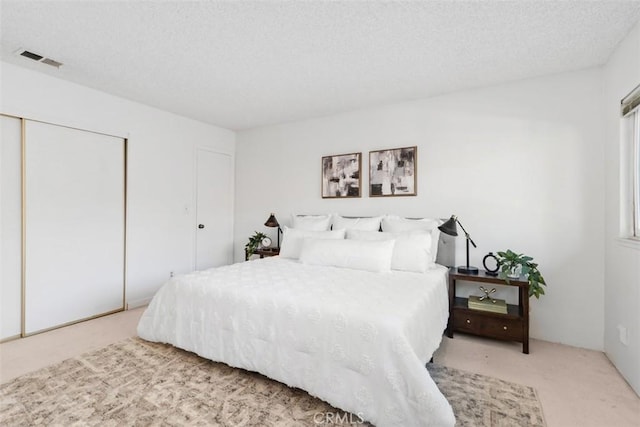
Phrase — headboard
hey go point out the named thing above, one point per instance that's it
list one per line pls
(446, 250)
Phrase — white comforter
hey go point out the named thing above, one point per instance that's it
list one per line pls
(355, 339)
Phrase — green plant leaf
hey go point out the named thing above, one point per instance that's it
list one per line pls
(509, 260)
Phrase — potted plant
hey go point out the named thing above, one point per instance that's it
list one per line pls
(254, 243)
(512, 265)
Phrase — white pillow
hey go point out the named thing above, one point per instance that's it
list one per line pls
(311, 222)
(370, 224)
(293, 238)
(412, 251)
(357, 254)
(395, 224)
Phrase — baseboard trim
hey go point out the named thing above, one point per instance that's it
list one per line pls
(11, 338)
(138, 303)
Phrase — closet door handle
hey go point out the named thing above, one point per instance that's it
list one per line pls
(200, 225)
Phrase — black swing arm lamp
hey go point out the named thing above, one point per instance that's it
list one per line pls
(273, 222)
(450, 227)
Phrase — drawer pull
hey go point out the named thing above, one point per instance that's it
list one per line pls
(504, 327)
(468, 321)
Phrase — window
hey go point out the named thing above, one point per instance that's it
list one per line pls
(631, 168)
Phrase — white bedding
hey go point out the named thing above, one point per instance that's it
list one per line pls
(356, 339)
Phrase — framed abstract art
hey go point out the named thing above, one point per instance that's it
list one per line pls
(341, 176)
(393, 172)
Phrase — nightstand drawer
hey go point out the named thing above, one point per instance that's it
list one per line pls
(482, 324)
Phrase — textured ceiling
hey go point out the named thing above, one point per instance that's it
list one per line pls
(244, 64)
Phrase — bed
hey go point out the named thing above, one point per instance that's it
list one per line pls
(356, 339)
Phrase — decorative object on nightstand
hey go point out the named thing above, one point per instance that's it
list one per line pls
(487, 292)
(491, 264)
(514, 265)
(254, 243)
(486, 303)
(450, 228)
(273, 222)
(266, 242)
(492, 306)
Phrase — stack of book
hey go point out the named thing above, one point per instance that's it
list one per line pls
(488, 304)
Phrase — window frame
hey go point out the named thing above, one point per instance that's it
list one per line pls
(636, 175)
(630, 169)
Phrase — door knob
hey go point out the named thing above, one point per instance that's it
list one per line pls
(200, 225)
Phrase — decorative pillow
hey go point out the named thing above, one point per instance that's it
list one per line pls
(311, 222)
(412, 251)
(395, 224)
(293, 238)
(370, 224)
(356, 254)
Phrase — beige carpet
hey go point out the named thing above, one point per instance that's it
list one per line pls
(139, 383)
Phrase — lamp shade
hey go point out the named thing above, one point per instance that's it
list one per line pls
(272, 221)
(450, 227)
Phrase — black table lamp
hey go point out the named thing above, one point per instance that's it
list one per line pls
(450, 228)
(273, 222)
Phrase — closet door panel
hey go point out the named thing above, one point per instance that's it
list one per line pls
(74, 218)
(10, 227)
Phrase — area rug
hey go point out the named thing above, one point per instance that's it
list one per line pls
(135, 382)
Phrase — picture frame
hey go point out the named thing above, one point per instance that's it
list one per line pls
(393, 172)
(342, 176)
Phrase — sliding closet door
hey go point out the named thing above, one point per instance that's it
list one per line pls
(74, 225)
(10, 228)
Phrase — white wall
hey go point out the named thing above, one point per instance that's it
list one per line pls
(521, 164)
(161, 172)
(622, 262)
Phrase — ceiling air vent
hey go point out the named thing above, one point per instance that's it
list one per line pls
(31, 55)
(38, 58)
(51, 62)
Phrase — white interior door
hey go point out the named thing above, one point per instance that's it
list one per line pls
(10, 227)
(74, 225)
(214, 209)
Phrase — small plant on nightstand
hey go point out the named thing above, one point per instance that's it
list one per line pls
(510, 262)
(254, 243)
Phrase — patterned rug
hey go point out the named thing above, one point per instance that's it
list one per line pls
(135, 382)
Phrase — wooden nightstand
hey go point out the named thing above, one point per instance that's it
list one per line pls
(263, 252)
(513, 326)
